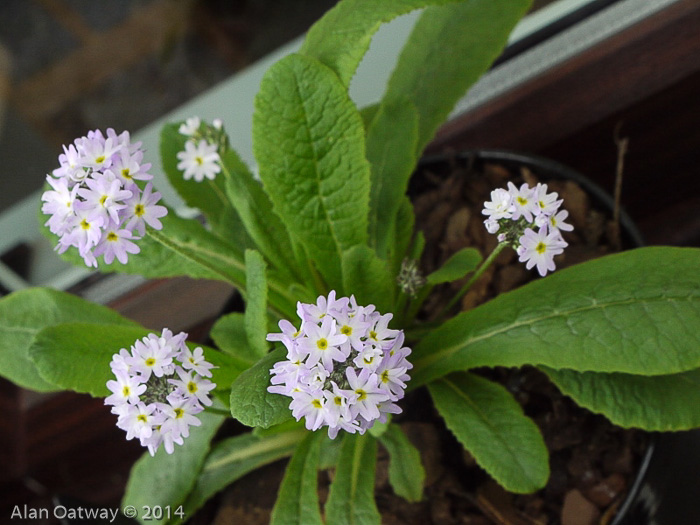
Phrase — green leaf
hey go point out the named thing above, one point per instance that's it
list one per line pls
(255, 211)
(233, 458)
(426, 74)
(297, 500)
(491, 425)
(656, 403)
(76, 356)
(227, 368)
(351, 496)
(255, 317)
(391, 146)
(229, 334)
(460, 264)
(403, 234)
(634, 312)
(165, 479)
(367, 277)
(251, 403)
(308, 139)
(406, 472)
(341, 38)
(209, 196)
(26, 313)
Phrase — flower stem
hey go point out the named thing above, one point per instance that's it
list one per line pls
(478, 273)
(219, 411)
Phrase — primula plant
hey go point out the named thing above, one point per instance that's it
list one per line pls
(322, 248)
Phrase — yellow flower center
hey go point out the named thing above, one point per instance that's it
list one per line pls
(322, 344)
(541, 248)
(361, 394)
(316, 403)
(139, 210)
(346, 330)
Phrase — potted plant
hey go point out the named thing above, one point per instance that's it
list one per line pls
(323, 252)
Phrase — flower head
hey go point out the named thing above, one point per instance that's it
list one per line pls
(156, 395)
(345, 367)
(529, 220)
(95, 204)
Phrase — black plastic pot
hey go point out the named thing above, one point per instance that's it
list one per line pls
(666, 487)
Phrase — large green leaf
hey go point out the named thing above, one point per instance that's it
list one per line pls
(491, 425)
(233, 458)
(165, 480)
(391, 146)
(663, 403)
(76, 356)
(351, 496)
(255, 211)
(251, 403)
(406, 472)
(308, 139)
(297, 500)
(209, 196)
(24, 314)
(473, 33)
(635, 312)
(341, 38)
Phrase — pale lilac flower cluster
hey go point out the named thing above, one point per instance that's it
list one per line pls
(529, 219)
(95, 203)
(345, 367)
(201, 157)
(159, 389)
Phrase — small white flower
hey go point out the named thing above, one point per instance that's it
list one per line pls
(190, 126)
(199, 161)
(540, 248)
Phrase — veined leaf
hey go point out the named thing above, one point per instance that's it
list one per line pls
(634, 312)
(251, 403)
(255, 317)
(341, 38)
(406, 472)
(165, 480)
(657, 403)
(233, 458)
(491, 425)
(351, 496)
(309, 143)
(297, 500)
(473, 32)
(25, 313)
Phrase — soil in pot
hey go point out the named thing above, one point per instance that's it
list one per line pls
(592, 462)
